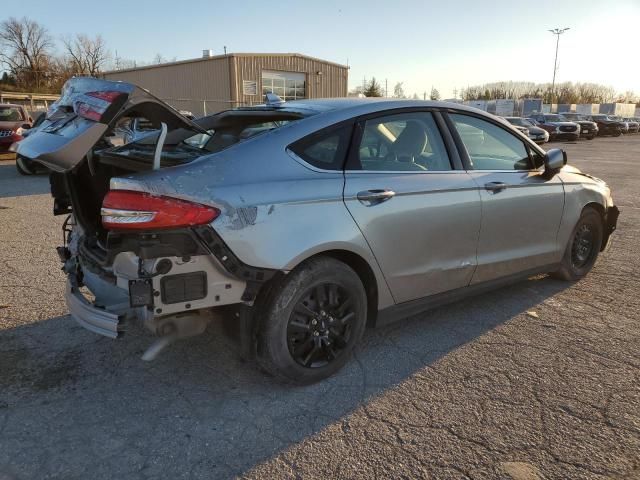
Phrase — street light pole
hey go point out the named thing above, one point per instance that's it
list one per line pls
(557, 32)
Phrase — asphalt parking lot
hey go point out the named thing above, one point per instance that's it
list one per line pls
(537, 380)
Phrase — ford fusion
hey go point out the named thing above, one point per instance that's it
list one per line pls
(303, 222)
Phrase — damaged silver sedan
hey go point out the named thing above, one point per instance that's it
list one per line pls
(302, 222)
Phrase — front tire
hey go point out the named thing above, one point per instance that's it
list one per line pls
(583, 248)
(312, 320)
(24, 166)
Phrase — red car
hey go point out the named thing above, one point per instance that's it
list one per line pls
(13, 120)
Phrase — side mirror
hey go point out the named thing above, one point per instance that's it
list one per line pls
(555, 159)
(26, 126)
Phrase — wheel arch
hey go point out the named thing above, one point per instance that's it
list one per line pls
(608, 218)
(364, 272)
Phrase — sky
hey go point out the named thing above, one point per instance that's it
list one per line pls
(449, 44)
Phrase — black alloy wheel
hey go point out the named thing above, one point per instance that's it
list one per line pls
(582, 249)
(310, 321)
(320, 325)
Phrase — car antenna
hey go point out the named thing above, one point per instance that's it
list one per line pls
(272, 100)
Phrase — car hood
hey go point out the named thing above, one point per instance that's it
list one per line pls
(571, 169)
(11, 125)
(562, 124)
(536, 130)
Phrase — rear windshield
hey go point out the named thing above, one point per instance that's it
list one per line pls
(218, 139)
(10, 114)
(222, 131)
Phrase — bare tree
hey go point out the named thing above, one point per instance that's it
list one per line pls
(435, 94)
(398, 90)
(158, 59)
(25, 50)
(88, 55)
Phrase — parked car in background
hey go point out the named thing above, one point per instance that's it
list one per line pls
(607, 125)
(341, 213)
(624, 126)
(24, 165)
(14, 121)
(633, 126)
(558, 128)
(537, 134)
(588, 128)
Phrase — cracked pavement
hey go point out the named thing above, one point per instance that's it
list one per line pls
(476, 389)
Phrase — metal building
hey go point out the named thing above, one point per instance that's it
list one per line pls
(213, 83)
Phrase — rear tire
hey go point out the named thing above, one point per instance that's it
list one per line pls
(311, 321)
(583, 248)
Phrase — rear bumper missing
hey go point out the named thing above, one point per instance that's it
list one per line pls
(91, 317)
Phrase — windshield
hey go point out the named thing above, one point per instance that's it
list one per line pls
(10, 114)
(554, 118)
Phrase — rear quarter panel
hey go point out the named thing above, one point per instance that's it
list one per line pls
(275, 211)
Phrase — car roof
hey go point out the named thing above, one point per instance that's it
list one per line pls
(361, 106)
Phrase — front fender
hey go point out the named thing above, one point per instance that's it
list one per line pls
(580, 191)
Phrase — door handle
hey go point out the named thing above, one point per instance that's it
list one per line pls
(374, 197)
(495, 187)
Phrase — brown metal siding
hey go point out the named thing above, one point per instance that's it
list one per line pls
(185, 85)
(216, 83)
(332, 82)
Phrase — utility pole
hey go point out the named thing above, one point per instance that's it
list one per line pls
(557, 32)
(386, 88)
(225, 49)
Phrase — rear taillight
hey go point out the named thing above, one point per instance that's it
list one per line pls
(127, 210)
(93, 105)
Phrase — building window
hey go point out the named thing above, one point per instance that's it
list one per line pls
(249, 87)
(287, 85)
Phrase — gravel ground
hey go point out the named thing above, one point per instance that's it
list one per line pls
(476, 389)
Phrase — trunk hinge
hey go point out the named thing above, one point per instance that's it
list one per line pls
(159, 145)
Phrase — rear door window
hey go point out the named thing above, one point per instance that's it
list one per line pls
(402, 142)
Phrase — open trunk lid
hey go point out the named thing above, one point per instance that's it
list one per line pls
(87, 110)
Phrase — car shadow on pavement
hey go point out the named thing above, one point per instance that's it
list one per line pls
(73, 403)
(12, 184)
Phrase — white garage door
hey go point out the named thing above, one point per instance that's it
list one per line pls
(287, 85)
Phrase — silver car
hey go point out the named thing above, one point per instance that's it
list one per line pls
(302, 223)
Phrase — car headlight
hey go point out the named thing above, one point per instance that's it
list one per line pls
(19, 131)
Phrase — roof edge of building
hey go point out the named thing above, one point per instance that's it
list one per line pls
(220, 57)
